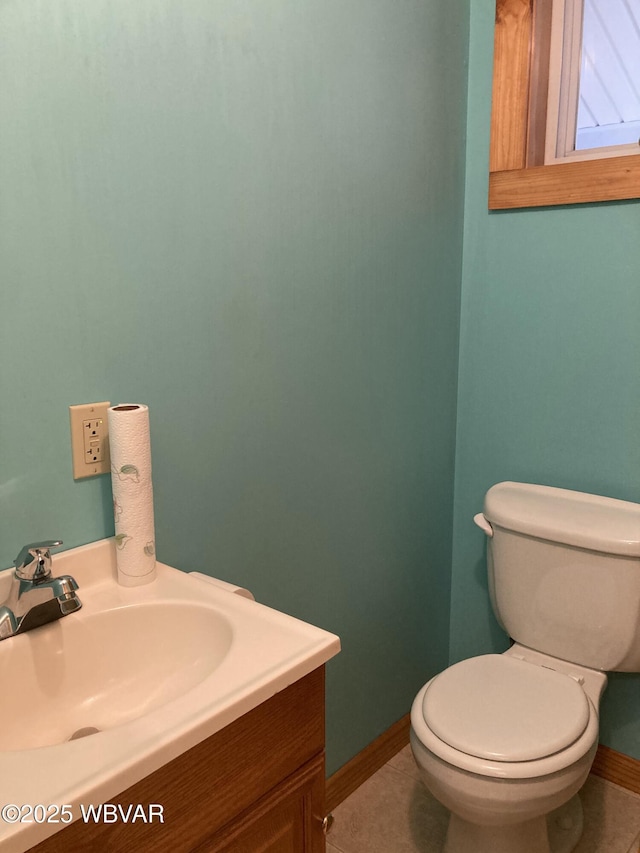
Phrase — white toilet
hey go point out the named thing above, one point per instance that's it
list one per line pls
(506, 741)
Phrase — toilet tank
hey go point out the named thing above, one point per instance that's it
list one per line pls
(564, 573)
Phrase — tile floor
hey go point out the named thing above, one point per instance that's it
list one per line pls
(392, 812)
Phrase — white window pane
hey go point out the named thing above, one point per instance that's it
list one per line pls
(610, 73)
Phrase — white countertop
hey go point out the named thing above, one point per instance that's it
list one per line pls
(267, 652)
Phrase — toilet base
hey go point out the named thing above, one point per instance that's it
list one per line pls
(557, 832)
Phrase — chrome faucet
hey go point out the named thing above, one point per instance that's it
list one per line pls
(35, 597)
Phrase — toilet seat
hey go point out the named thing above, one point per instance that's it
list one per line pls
(513, 768)
(505, 709)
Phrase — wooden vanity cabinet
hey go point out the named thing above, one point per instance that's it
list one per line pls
(256, 786)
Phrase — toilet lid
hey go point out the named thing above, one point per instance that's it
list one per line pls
(501, 708)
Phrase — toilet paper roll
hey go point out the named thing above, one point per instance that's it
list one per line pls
(130, 448)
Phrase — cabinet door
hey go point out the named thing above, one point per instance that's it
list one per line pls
(288, 820)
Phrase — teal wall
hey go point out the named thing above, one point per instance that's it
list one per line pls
(250, 216)
(549, 383)
(247, 215)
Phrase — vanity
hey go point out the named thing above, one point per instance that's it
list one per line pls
(209, 711)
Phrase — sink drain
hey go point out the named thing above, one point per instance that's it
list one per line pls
(84, 732)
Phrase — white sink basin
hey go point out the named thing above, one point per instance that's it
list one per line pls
(155, 669)
(99, 670)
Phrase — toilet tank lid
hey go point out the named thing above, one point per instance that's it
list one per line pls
(571, 518)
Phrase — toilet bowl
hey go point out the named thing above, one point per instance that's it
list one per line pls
(505, 742)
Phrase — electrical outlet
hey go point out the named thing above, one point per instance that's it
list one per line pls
(89, 440)
(93, 434)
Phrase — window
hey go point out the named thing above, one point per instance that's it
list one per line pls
(521, 175)
(594, 80)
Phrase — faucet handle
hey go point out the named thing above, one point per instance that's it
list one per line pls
(38, 553)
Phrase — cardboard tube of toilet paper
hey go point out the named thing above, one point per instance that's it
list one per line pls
(130, 447)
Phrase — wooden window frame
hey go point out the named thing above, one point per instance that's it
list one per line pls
(517, 176)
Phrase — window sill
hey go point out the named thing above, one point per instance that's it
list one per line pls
(566, 183)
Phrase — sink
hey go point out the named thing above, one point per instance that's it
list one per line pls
(95, 702)
(94, 670)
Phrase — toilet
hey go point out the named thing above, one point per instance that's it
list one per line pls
(505, 741)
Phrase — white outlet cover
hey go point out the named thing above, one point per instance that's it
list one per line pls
(82, 465)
